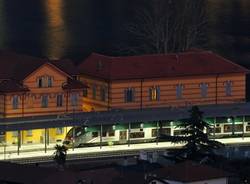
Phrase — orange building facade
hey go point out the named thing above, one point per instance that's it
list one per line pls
(34, 87)
(193, 78)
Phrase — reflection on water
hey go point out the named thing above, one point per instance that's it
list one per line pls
(57, 31)
(2, 22)
(74, 28)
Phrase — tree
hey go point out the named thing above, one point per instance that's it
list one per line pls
(164, 26)
(60, 155)
(197, 144)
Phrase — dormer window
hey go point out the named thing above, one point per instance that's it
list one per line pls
(44, 82)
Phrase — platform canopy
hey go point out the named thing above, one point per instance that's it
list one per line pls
(121, 116)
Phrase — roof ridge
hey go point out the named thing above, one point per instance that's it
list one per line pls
(231, 62)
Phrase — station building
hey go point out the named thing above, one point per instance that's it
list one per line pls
(164, 80)
(35, 87)
(31, 87)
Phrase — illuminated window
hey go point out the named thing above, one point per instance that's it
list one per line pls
(15, 102)
(154, 93)
(203, 88)
(129, 95)
(228, 88)
(179, 90)
(59, 100)
(44, 102)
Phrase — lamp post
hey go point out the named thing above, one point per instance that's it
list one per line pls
(4, 149)
(73, 136)
(157, 132)
(129, 131)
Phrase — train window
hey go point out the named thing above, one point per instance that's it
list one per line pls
(111, 133)
(216, 129)
(136, 135)
(227, 128)
(237, 128)
(248, 128)
(104, 133)
(178, 132)
(94, 134)
(165, 131)
(154, 132)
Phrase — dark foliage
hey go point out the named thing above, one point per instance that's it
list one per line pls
(197, 144)
(60, 154)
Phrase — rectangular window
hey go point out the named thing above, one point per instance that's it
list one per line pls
(94, 92)
(44, 81)
(94, 134)
(154, 93)
(129, 95)
(134, 135)
(15, 102)
(14, 133)
(49, 81)
(228, 88)
(29, 133)
(179, 89)
(59, 100)
(44, 102)
(104, 134)
(154, 132)
(103, 93)
(59, 131)
(85, 92)
(203, 88)
(229, 128)
(111, 133)
(74, 99)
(40, 82)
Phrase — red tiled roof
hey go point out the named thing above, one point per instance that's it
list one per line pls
(18, 66)
(74, 84)
(7, 86)
(154, 66)
(189, 171)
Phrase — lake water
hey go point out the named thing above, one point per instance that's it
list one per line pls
(75, 28)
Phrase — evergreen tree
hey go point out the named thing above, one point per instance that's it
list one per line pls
(197, 144)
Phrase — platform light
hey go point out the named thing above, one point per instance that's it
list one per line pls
(229, 120)
(113, 127)
(141, 125)
(86, 129)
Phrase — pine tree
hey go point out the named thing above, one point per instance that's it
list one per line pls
(197, 144)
